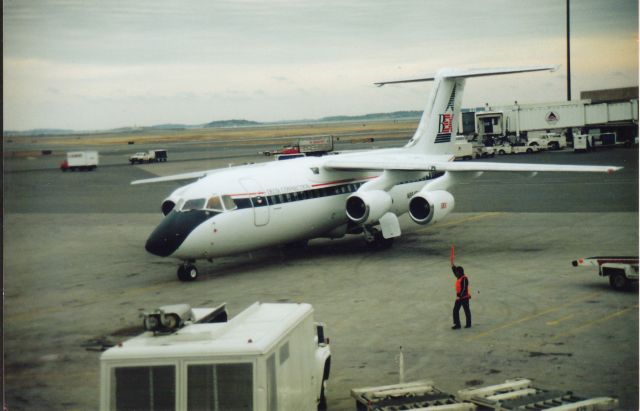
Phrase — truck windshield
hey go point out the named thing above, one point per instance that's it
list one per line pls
(144, 388)
(214, 387)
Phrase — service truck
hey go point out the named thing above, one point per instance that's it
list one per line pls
(80, 160)
(151, 156)
(463, 149)
(316, 145)
(622, 271)
(310, 146)
(271, 356)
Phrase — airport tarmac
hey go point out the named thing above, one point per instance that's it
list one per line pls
(76, 273)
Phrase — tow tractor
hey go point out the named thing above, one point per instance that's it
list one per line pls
(622, 271)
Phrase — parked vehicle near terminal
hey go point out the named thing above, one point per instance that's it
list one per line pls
(463, 149)
(622, 271)
(151, 156)
(80, 160)
(547, 141)
(268, 357)
(522, 147)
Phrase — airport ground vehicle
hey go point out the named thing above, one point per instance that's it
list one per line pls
(151, 156)
(582, 142)
(547, 141)
(622, 271)
(80, 160)
(484, 151)
(268, 357)
(463, 150)
(519, 148)
(516, 394)
(311, 146)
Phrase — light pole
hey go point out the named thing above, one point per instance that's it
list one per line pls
(568, 54)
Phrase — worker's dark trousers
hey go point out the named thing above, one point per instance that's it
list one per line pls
(456, 312)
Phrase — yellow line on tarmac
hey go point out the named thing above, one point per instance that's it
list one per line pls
(463, 220)
(591, 323)
(559, 320)
(530, 317)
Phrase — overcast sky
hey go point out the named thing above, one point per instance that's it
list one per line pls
(87, 65)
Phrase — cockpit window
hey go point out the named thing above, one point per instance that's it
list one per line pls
(228, 202)
(214, 203)
(193, 204)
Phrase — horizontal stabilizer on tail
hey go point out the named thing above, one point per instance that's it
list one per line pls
(468, 73)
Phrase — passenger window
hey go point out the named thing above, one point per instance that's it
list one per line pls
(194, 204)
(214, 203)
(228, 202)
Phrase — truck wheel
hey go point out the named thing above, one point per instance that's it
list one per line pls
(618, 281)
(501, 152)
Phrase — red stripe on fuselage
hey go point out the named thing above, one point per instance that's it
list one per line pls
(349, 180)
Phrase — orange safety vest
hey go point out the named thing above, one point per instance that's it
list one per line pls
(459, 288)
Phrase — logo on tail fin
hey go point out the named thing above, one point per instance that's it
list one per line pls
(445, 128)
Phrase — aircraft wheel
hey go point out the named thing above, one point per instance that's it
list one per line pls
(187, 272)
(377, 241)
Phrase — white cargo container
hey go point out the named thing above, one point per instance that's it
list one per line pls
(317, 145)
(463, 149)
(268, 357)
(80, 160)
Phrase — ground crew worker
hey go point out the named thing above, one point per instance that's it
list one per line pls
(463, 295)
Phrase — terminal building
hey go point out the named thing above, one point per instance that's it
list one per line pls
(597, 112)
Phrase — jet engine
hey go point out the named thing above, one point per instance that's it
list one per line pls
(167, 205)
(368, 206)
(427, 207)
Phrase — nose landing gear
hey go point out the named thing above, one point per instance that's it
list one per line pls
(187, 271)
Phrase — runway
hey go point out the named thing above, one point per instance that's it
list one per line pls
(76, 274)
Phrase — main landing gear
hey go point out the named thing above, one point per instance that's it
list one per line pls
(187, 271)
(374, 239)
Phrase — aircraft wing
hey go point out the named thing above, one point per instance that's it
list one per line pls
(416, 162)
(176, 177)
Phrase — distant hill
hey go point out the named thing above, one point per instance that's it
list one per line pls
(376, 116)
(396, 115)
(38, 132)
(231, 123)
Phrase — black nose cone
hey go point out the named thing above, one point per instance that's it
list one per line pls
(173, 230)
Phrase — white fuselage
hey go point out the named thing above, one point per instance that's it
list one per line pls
(278, 202)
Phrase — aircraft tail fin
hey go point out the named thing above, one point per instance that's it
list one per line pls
(438, 126)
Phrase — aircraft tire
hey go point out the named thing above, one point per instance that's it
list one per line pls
(378, 241)
(187, 272)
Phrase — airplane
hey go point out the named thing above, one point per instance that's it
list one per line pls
(244, 208)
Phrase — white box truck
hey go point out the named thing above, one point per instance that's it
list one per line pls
(269, 357)
(151, 156)
(80, 160)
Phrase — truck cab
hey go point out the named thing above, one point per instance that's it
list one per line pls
(268, 357)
